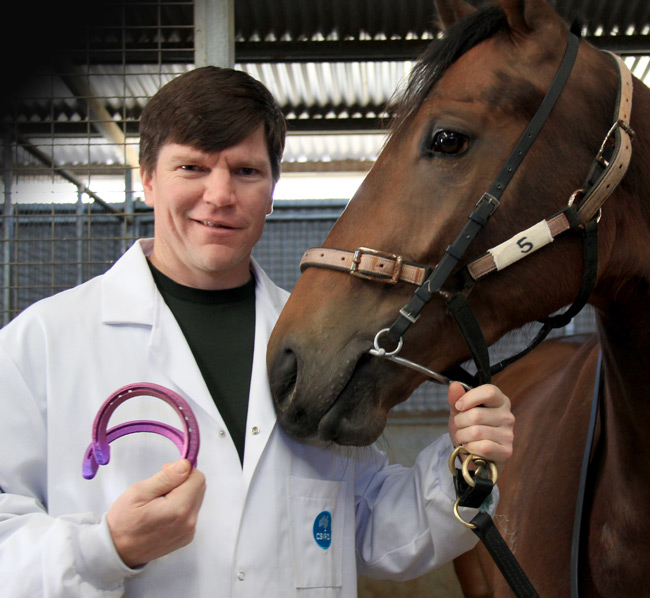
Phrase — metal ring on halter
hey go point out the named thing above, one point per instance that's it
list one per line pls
(599, 215)
(460, 449)
(575, 195)
(392, 356)
(379, 352)
(481, 462)
(98, 452)
(459, 518)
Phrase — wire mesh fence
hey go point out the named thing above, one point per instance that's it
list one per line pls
(47, 248)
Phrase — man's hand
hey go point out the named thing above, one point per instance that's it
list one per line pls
(481, 420)
(158, 515)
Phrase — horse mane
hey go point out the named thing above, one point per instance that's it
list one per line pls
(440, 55)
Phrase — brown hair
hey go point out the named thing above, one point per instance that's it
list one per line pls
(210, 109)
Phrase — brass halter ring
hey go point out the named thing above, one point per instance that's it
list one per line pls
(577, 194)
(482, 465)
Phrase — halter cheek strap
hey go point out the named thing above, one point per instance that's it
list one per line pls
(99, 452)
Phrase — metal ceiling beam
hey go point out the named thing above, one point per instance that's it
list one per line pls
(98, 115)
(214, 33)
(626, 45)
(327, 51)
(336, 125)
(391, 50)
(315, 124)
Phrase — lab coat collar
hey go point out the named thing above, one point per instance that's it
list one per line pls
(130, 296)
(128, 289)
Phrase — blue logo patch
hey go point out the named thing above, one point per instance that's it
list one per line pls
(323, 529)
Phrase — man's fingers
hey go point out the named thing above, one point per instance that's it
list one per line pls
(192, 490)
(158, 515)
(454, 392)
(171, 476)
(485, 395)
(481, 420)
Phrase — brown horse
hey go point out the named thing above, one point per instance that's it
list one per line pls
(467, 104)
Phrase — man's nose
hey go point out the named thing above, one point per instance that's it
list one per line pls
(219, 189)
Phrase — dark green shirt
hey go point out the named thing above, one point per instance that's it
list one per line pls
(219, 327)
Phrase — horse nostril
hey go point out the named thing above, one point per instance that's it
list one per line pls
(283, 374)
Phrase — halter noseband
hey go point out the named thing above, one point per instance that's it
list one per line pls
(607, 170)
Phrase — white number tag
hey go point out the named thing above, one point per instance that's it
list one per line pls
(521, 245)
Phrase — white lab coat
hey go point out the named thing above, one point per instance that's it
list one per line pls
(65, 355)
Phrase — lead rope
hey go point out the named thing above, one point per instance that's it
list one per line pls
(473, 488)
(585, 476)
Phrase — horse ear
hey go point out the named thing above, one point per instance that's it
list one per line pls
(525, 16)
(452, 11)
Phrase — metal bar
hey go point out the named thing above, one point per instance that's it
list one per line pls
(329, 51)
(625, 45)
(214, 33)
(79, 231)
(7, 225)
(98, 115)
(390, 50)
(318, 121)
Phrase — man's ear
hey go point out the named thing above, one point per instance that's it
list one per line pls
(147, 186)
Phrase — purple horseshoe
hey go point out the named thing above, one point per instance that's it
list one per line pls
(99, 452)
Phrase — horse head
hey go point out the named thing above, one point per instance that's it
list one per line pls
(467, 103)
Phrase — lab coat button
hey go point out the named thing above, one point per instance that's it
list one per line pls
(222, 433)
(255, 430)
(241, 576)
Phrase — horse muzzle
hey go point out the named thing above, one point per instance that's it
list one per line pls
(336, 398)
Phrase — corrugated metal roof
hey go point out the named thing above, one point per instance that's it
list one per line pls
(127, 50)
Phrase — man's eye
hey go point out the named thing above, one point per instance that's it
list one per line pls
(248, 171)
(445, 142)
(190, 167)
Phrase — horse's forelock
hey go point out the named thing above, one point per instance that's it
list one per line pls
(440, 55)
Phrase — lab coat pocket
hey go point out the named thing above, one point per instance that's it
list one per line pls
(316, 514)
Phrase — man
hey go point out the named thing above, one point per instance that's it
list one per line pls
(262, 515)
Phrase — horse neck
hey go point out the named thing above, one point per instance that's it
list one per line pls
(622, 296)
(624, 332)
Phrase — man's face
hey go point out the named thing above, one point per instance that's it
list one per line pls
(209, 211)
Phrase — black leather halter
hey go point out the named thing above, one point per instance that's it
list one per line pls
(607, 170)
(485, 207)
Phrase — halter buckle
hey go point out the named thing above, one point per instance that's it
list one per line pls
(356, 261)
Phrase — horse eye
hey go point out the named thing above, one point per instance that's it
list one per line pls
(446, 142)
